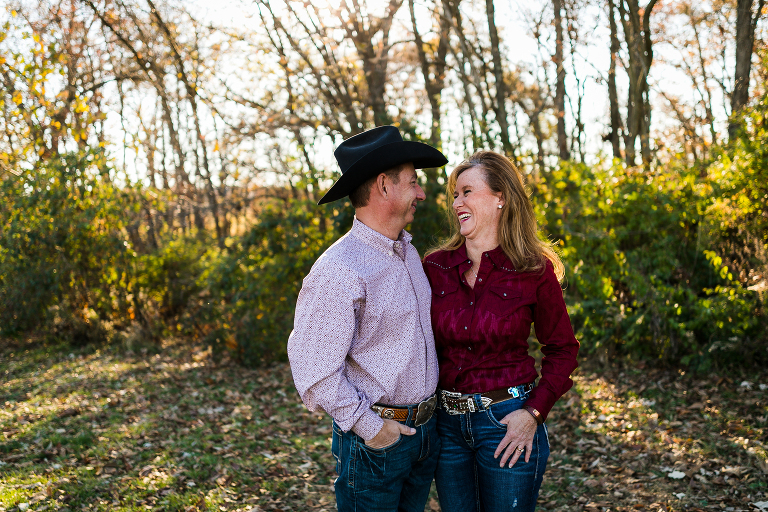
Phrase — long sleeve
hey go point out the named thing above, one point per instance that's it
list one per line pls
(559, 345)
(324, 329)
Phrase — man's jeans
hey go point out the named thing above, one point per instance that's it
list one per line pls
(395, 478)
(469, 479)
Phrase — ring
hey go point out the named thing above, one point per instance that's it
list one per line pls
(520, 449)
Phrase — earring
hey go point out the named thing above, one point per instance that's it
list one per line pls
(500, 207)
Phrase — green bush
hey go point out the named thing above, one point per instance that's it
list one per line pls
(641, 281)
(63, 256)
(252, 287)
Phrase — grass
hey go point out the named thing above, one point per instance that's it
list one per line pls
(106, 429)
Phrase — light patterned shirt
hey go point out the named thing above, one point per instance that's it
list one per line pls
(362, 331)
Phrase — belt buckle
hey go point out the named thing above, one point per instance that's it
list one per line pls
(450, 395)
(384, 412)
(425, 410)
(514, 392)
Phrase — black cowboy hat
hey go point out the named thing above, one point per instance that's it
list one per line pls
(374, 151)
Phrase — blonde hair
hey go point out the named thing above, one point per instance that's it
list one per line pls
(517, 230)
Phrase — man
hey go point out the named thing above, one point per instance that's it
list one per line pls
(362, 347)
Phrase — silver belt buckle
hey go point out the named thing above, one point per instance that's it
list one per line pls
(450, 394)
(425, 410)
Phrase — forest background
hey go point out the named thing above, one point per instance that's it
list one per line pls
(160, 165)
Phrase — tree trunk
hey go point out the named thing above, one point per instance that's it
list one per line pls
(562, 139)
(613, 95)
(745, 37)
(500, 106)
(637, 33)
(375, 57)
(434, 71)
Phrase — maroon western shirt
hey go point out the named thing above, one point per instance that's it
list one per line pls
(481, 334)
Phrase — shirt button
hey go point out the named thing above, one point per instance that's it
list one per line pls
(481, 279)
(471, 303)
(459, 369)
(505, 294)
(469, 348)
(465, 327)
(443, 292)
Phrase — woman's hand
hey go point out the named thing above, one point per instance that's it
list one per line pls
(521, 427)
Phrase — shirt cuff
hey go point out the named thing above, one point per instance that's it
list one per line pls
(542, 400)
(368, 425)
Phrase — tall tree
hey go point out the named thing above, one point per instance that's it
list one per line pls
(432, 64)
(613, 95)
(636, 23)
(562, 139)
(746, 22)
(500, 103)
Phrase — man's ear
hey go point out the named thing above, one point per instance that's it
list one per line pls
(381, 185)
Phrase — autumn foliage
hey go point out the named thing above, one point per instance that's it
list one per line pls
(148, 192)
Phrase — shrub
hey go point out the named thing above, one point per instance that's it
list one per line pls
(63, 256)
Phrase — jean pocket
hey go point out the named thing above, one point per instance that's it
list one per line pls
(337, 441)
(498, 411)
(385, 449)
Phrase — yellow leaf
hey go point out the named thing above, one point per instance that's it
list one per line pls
(17, 98)
(216, 147)
(259, 316)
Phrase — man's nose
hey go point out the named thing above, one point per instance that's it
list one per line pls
(420, 195)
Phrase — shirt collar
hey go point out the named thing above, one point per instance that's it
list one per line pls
(380, 242)
(497, 256)
(500, 259)
(457, 257)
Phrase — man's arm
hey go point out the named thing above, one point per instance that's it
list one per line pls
(322, 335)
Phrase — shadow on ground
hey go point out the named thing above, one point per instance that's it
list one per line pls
(87, 429)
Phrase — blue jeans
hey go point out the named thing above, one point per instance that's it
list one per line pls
(469, 479)
(395, 478)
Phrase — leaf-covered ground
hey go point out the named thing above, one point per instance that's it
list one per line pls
(108, 430)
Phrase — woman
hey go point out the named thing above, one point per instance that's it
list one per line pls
(490, 280)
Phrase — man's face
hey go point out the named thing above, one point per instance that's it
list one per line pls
(404, 195)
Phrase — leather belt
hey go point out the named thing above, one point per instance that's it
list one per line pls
(423, 411)
(457, 403)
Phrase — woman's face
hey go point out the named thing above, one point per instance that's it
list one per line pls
(477, 207)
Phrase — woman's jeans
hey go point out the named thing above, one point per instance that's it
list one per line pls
(395, 478)
(469, 479)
